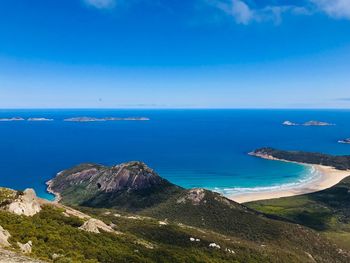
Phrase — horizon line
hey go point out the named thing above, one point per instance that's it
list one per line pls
(176, 108)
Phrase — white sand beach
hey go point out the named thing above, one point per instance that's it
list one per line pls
(329, 177)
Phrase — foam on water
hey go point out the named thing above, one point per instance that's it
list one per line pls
(311, 175)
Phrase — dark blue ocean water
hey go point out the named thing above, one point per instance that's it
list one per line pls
(192, 148)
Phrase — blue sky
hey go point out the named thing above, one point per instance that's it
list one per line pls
(175, 54)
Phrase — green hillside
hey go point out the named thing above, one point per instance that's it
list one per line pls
(197, 213)
(327, 211)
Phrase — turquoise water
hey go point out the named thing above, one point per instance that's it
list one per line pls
(192, 148)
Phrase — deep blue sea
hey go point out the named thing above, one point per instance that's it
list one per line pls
(191, 148)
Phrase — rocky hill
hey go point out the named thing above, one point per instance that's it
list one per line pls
(130, 186)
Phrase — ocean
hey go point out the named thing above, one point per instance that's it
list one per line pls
(191, 148)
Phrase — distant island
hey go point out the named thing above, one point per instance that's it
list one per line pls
(309, 123)
(39, 119)
(12, 119)
(92, 119)
(22, 119)
(347, 141)
(289, 123)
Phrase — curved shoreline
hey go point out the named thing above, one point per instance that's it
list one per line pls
(328, 177)
(50, 191)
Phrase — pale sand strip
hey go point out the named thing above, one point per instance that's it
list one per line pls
(329, 177)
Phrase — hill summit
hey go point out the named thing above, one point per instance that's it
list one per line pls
(130, 185)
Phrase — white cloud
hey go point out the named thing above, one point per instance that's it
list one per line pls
(101, 4)
(334, 8)
(244, 14)
(241, 11)
(236, 8)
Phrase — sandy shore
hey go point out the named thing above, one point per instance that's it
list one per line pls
(328, 176)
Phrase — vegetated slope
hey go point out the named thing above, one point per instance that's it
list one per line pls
(58, 236)
(326, 211)
(338, 162)
(207, 211)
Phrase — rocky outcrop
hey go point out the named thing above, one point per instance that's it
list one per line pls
(95, 225)
(4, 236)
(26, 204)
(194, 196)
(25, 248)
(132, 175)
(131, 185)
(7, 256)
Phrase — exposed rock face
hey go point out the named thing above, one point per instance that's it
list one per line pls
(4, 236)
(95, 225)
(131, 185)
(195, 196)
(26, 204)
(12, 257)
(132, 175)
(26, 248)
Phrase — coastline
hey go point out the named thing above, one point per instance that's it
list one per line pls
(328, 177)
(58, 197)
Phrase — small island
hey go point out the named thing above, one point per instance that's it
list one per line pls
(317, 123)
(39, 119)
(12, 119)
(308, 123)
(93, 119)
(289, 123)
(346, 141)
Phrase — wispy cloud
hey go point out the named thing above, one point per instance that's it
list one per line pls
(101, 4)
(334, 8)
(245, 14)
(245, 11)
(242, 13)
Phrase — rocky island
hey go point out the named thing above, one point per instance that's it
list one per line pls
(317, 123)
(309, 123)
(347, 141)
(12, 119)
(39, 119)
(289, 123)
(92, 119)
